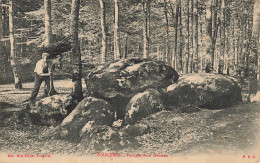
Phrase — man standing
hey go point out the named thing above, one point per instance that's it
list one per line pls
(42, 73)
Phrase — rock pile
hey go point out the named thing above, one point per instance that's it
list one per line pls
(119, 81)
(123, 92)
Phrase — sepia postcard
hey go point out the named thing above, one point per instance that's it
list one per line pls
(130, 81)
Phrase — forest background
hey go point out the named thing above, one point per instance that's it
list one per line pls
(189, 35)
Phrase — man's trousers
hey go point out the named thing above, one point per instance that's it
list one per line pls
(37, 84)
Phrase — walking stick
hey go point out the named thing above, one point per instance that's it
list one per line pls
(52, 90)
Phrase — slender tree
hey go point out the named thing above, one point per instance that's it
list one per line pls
(146, 4)
(191, 59)
(201, 39)
(187, 37)
(234, 42)
(222, 37)
(48, 39)
(167, 32)
(175, 17)
(126, 45)
(17, 82)
(1, 30)
(104, 31)
(116, 33)
(209, 30)
(47, 22)
(158, 55)
(196, 36)
(181, 38)
(75, 54)
(212, 29)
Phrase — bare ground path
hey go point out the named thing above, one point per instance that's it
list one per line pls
(14, 96)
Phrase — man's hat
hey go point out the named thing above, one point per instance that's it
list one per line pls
(45, 54)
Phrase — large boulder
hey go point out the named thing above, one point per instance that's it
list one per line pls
(129, 76)
(51, 110)
(212, 91)
(118, 81)
(142, 105)
(89, 109)
(102, 137)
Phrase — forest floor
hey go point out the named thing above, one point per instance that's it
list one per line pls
(232, 131)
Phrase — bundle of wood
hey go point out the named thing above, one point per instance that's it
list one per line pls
(56, 48)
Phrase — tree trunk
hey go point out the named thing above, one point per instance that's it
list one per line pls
(196, 37)
(3, 61)
(48, 39)
(222, 37)
(52, 91)
(76, 56)
(191, 59)
(116, 34)
(175, 52)
(209, 32)
(234, 43)
(167, 32)
(212, 30)
(3, 43)
(47, 22)
(214, 34)
(158, 53)
(126, 46)
(181, 38)
(148, 7)
(201, 42)
(187, 37)
(104, 31)
(17, 82)
(249, 33)
(1, 32)
(243, 45)
(256, 34)
(145, 29)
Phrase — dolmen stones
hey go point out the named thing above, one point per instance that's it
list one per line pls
(129, 77)
(212, 91)
(131, 86)
(51, 110)
(143, 104)
(118, 81)
(123, 92)
(89, 109)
